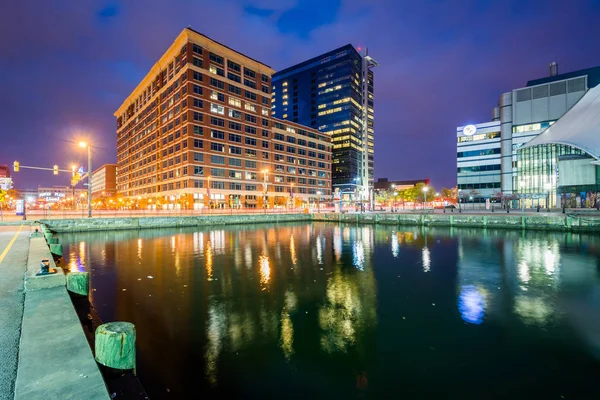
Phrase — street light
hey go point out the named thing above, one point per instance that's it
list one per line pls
(318, 201)
(89, 149)
(548, 186)
(425, 189)
(292, 195)
(265, 187)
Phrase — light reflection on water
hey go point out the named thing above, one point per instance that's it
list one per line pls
(301, 296)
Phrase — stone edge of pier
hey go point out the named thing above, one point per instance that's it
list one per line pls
(55, 359)
(547, 222)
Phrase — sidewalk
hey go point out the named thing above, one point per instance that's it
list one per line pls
(14, 249)
(43, 351)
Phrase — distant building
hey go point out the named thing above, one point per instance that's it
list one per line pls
(55, 194)
(385, 184)
(333, 93)
(104, 181)
(6, 182)
(30, 195)
(478, 160)
(522, 115)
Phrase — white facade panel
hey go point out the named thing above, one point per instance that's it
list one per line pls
(539, 110)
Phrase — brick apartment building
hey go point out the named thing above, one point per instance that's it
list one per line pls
(104, 181)
(198, 131)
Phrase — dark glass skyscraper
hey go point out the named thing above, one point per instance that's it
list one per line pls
(334, 94)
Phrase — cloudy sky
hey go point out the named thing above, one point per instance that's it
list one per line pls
(66, 66)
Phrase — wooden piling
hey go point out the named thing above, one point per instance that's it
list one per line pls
(78, 282)
(56, 249)
(115, 345)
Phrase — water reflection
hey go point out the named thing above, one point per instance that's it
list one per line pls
(237, 305)
(265, 269)
(471, 304)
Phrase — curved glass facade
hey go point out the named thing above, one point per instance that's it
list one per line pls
(537, 177)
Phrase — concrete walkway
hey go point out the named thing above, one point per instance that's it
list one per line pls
(14, 249)
(55, 359)
(43, 350)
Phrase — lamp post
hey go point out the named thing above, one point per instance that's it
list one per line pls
(265, 187)
(292, 195)
(459, 199)
(425, 189)
(208, 194)
(318, 201)
(548, 186)
(89, 200)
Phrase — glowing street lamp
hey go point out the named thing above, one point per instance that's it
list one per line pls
(425, 189)
(319, 201)
(265, 187)
(89, 177)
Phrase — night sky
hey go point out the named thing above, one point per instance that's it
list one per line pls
(66, 66)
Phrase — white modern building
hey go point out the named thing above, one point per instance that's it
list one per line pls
(478, 161)
(522, 115)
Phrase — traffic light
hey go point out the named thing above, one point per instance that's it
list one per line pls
(55, 169)
(75, 179)
(16, 166)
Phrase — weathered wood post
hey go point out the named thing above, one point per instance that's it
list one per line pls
(115, 345)
(78, 282)
(56, 249)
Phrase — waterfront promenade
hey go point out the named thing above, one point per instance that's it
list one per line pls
(14, 248)
(43, 351)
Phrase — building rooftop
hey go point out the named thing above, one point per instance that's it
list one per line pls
(315, 60)
(227, 47)
(592, 73)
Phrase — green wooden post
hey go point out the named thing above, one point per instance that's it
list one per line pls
(78, 282)
(115, 345)
(56, 249)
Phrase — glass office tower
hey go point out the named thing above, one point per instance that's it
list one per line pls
(334, 94)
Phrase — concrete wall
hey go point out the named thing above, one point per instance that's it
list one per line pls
(558, 222)
(106, 224)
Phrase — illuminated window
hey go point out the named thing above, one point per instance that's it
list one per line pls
(285, 83)
(250, 107)
(235, 102)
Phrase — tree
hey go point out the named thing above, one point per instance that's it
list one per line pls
(449, 195)
(402, 196)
